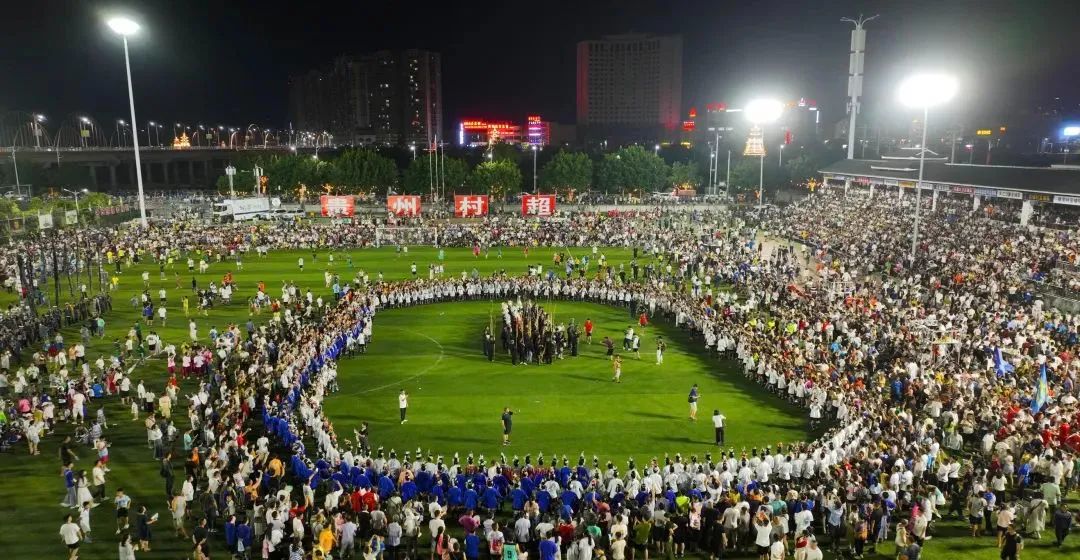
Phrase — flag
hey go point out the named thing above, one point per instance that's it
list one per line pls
(1000, 365)
(1042, 392)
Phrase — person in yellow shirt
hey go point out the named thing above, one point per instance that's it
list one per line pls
(327, 540)
(277, 469)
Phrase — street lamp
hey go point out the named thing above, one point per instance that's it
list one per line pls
(84, 122)
(761, 112)
(124, 27)
(36, 124)
(76, 194)
(119, 138)
(412, 148)
(152, 125)
(923, 91)
(781, 164)
(656, 149)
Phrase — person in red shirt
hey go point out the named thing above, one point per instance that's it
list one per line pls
(643, 320)
(588, 331)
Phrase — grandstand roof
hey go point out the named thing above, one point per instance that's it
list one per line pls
(1063, 180)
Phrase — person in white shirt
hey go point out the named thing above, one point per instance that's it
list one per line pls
(71, 535)
(403, 405)
(718, 425)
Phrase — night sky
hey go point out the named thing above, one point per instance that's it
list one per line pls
(227, 62)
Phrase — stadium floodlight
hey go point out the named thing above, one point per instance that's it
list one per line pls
(924, 91)
(123, 26)
(927, 90)
(761, 112)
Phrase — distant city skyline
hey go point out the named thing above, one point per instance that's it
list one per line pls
(230, 63)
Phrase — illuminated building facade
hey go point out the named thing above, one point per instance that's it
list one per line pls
(538, 131)
(479, 132)
(630, 86)
(386, 97)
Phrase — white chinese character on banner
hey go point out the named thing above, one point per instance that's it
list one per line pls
(405, 205)
(538, 206)
(471, 206)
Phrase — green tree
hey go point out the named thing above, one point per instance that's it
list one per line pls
(685, 175)
(497, 178)
(746, 175)
(802, 167)
(286, 173)
(417, 178)
(364, 171)
(502, 151)
(567, 171)
(632, 168)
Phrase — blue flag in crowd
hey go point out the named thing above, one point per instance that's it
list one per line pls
(1000, 365)
(1042, 392)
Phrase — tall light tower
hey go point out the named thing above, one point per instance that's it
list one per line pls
(855, 76)
(124, 27)
(760, 112)
(923, 91)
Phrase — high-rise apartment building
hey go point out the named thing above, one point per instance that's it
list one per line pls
(630, 86)
(383, 97)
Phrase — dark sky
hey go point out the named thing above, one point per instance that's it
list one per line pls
(227, 62)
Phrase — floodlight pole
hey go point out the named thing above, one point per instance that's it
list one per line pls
(135, 137)
(918, 185)
(855, 76)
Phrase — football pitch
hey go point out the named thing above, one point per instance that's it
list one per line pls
(456, 396)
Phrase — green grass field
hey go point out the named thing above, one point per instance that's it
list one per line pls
(456, 397)
(570, 406)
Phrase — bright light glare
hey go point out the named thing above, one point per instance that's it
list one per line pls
(123, 26)
(927, 90)
(1071, 131)
(761, 111)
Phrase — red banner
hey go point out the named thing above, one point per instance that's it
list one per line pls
(466, 206)
(337, 206)
(403, 205)
(537, 204)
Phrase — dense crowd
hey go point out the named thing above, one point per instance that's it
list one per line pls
(947, 387)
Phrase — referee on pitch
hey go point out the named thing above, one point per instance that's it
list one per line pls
(507, 424)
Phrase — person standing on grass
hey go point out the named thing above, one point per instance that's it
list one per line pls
(70, 499)
(126, 550)
(588, 331)
(1063, 521)
(660, 347)
(718, 425)
(610, 345)
(123, 503)
(84, 521)
(616, 368)
(71, 535)
(692, 398)
(300, 263)
(403, 405)
(507, 424)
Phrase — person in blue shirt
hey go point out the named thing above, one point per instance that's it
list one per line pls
(244, 536)
(491, 499)
(472, 546)
(548, 549)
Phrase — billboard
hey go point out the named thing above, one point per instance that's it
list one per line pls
(403, 205)
(337, 206)
(466, 206)
(537, 204)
